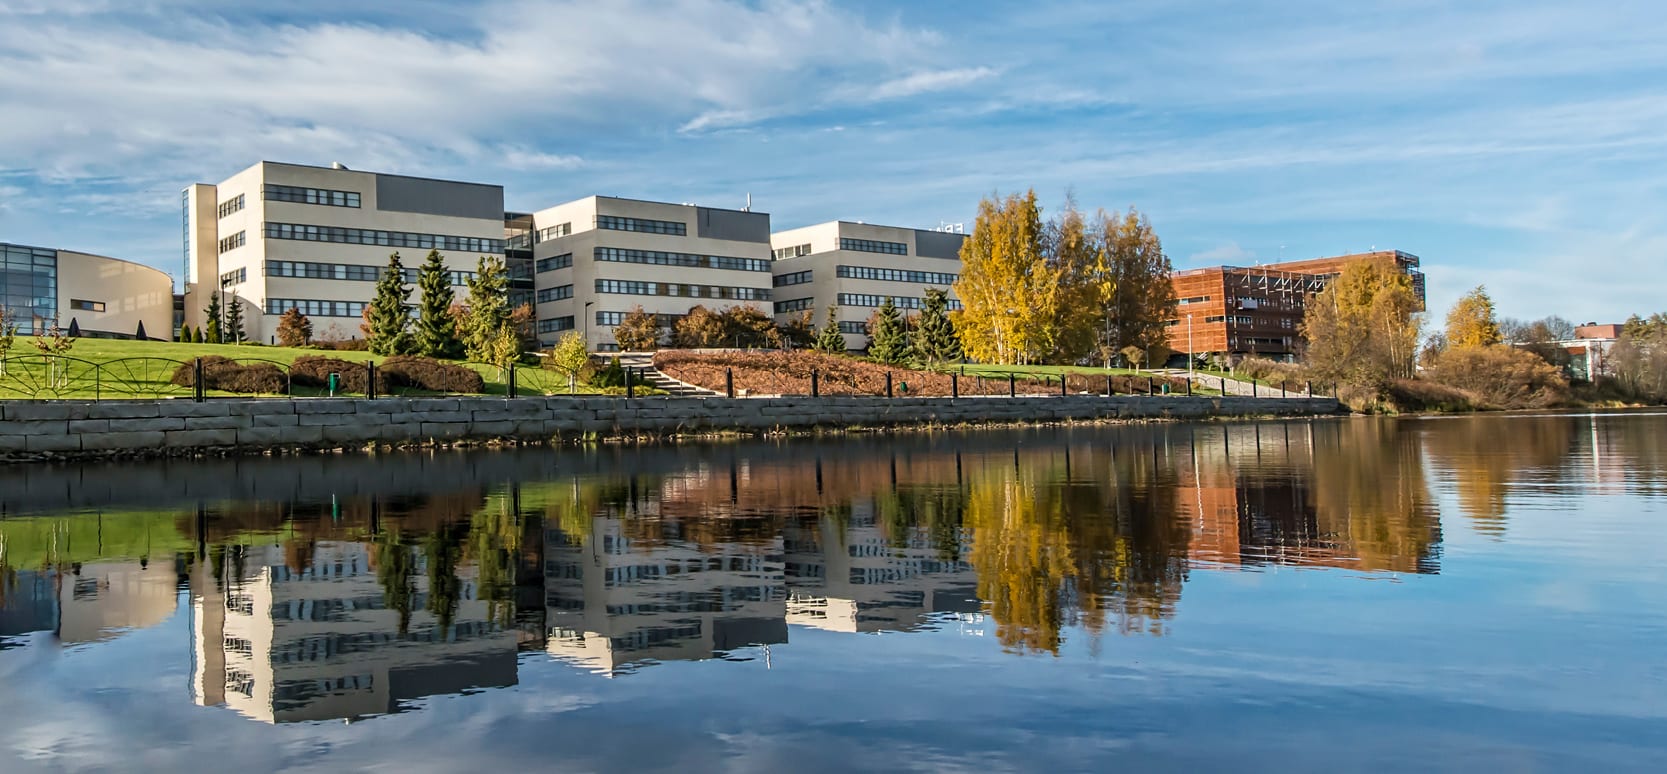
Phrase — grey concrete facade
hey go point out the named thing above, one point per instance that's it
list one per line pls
(50, 430)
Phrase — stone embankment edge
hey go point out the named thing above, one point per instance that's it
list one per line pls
(65, 430)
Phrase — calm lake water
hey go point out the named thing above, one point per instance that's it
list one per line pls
(1476, 593)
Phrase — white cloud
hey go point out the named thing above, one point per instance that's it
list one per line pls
(929, 81)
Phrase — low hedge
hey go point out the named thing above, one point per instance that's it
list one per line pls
(429, 374)
(227, 375)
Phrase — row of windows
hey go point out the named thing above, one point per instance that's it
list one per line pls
(231, 205)
(853, 326)
(658, 258)
(554, 232)
(29, 286)
(873, 246)
(897, 275)
(643, 225)
(234, 277)
(348, 271)
(792, 252)
(232, 242)
(555, 262)
(326, 197)
(901, 302)
(366, 236)
(312, 308)
(556, 324)
(637, 288)
(1192, 300)
(86, 306)
(618, 318)
(796, 278)
(555, 294)
(795, 305)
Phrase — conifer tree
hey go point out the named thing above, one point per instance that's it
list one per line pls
(829, 339)
(1471, 322)
(889, 339)
(488, 312)
(294, 329)
(436, 328)
(389, 315)
(234, 333)
(214, 313)
(184, 333)
(935, 340)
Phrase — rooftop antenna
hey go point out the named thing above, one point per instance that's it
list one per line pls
(748, 208)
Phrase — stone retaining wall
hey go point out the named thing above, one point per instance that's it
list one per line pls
(57, 430)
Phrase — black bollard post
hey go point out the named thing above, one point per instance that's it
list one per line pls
(1308, 389)
(1253, 389)
(1189, 388)
(1151, 386)
(1109, 391)
(729, 382)
(954, 385)
(200, 391)
(630, 386)
(1281, 388)
(888, 384)
(815, 383)
(1062, 390)
(513, 391)
(1012, 390)
(370, 380)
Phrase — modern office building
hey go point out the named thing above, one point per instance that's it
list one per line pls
(277, 236)
(1238, 311)
(94, 295)
(856, 267)
(597, 258)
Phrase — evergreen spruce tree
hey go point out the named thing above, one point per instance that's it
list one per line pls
(390, 314)
(214, 312)
(935, 340)
(184, 333)
(488, 311)
(889, 341)
(234, 333)
(829, 339)
(436, 328)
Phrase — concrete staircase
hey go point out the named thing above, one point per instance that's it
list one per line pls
(643, 364)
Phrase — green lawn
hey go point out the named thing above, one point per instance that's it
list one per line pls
(1054, 372)
(143, 369)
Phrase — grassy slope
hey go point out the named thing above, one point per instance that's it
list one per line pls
(155, 373)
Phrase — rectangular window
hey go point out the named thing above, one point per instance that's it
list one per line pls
(896, 275)
(640, 288)
(795, 305)
(556, 324)
(313, 308)
(86, 306)
(617, 318)
(796, 278)
(231, 205)
(365, 236)
(547, 295)
(849, 326)
(641, 225)
(352, 272)
(234, 277)
(873, 246)
(687, 260)
(791, 252)
(555, 232)
(555, 262)
(232, 242)
(1191, 300)
(901, 302)
(320, 196)
(1216, 319)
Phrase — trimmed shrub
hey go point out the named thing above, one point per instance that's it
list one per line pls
(227, 375)
(426, 373)
(314, 371)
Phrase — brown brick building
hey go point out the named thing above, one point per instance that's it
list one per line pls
(1242, 310)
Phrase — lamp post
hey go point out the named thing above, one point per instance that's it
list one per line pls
(588, 305)
(1192, 355)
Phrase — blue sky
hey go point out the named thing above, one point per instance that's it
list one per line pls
(1517, 143)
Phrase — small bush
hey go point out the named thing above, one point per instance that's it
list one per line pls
(1501, 376)
(226, 375)
(612, 376)
(425, 373)
(1425, 395)
(314, 371)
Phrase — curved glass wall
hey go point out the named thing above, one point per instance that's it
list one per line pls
(29, 287)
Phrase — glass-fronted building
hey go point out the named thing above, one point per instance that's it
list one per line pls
(29, 287)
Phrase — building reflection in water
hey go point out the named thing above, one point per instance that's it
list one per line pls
(358, 606)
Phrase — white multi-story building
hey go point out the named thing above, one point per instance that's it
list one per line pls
(277, 236)
(856, 266)
(598, 258)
